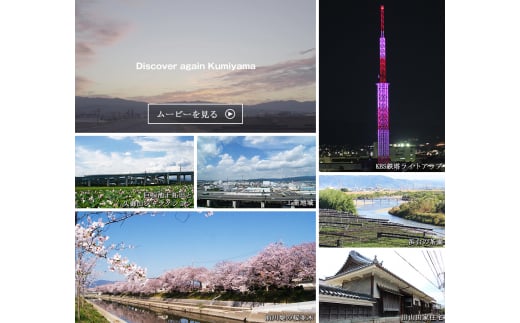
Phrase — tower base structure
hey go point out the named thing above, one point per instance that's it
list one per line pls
(383, 128)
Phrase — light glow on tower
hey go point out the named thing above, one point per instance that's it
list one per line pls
(383, 128)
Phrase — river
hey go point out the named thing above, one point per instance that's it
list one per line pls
(133, 314)
(379, 210)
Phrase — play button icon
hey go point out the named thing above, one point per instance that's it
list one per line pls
(230, 114)
(195, 113)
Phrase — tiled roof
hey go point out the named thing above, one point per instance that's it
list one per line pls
(351, 269)
(389, 290)
(354, 261)
(339, 292)
(359, 257)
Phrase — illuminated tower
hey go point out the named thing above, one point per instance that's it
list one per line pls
(383, 128)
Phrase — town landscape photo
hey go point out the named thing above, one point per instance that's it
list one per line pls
(256, 172)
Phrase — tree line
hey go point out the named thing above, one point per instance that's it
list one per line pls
(276, 266)
(423, 206)
(337, 200)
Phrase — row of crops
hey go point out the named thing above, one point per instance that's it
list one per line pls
(171, 196)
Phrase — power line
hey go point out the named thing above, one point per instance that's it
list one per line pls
(438, 266)
(438, 263)
(441, 268)
(440, 255)
(415, 269)
(428, 262)
(436, 271)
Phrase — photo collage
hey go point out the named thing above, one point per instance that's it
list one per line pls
(234, 164)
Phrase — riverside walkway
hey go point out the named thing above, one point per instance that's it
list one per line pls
(227, 311)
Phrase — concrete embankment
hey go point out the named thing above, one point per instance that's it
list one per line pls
(239, 311)
(109, 316)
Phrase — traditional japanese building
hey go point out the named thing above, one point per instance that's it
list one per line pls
(365, 291)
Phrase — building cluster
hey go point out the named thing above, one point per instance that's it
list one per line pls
(406, 151)
(263, 187)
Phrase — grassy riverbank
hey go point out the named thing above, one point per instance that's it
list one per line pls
(88, 313)
(367, 236)
(274, 295)
(428, 218)
(424, 207)
(261, 295)
(337, 229)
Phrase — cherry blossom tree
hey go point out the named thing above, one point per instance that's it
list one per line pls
(275, 266)
(268, 267)
(183, 279)
(280, 266)
(301, 263)
(152, 286)
(228, 275)
(91, 245)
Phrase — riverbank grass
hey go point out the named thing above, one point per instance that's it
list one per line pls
(88, 313)
(424, 207)
(273, 295)
(423, 217)
(339, 231)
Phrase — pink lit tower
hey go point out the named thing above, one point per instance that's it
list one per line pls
(383, 128)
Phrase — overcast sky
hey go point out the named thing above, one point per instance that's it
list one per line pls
(277, 36)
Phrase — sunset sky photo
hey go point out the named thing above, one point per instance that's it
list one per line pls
(277, 36)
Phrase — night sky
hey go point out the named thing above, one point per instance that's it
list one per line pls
(349, 68)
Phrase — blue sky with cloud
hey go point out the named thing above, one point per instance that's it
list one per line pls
(135, 154)
(167, 240)
(247, 157)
